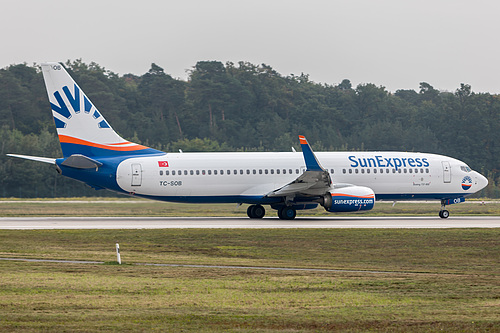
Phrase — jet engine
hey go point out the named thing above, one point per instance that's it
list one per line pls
(349, 199)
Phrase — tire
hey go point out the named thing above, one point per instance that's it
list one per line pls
(250, 211)
(287, 213)
(444, 214)
(258, 211)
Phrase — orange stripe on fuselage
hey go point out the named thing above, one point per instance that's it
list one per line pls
(69, 139)
(121, 143)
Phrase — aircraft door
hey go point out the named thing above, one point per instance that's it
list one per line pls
(446, 172)
(136, 175)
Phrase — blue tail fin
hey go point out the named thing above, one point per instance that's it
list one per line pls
(80, 126)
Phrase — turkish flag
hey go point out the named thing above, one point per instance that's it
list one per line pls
(163, 164)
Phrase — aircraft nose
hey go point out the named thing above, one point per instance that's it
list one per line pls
(481, 181)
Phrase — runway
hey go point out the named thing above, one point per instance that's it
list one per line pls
(35, 223)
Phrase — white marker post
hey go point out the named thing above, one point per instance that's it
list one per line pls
(118, 258)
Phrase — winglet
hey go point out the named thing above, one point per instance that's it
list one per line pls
(312, 162)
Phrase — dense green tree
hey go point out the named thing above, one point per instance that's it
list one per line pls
(243, 107)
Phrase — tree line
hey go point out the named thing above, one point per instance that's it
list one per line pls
(243, 107)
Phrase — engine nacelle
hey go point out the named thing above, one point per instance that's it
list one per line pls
(349, 199)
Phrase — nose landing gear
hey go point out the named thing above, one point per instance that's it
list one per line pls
(443, 213)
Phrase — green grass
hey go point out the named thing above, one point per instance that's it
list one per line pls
(440, 279)
(141, 207)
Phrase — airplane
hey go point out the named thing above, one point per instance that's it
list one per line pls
(95, 154)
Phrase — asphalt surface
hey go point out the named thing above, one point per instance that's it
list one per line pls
(34, 223)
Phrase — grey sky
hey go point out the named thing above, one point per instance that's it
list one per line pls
(393, 43)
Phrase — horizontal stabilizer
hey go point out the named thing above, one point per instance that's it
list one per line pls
(81, 162)
(35, 158)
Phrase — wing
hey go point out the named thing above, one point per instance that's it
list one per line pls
(315, 181)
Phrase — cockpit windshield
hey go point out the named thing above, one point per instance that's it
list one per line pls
(465, 168)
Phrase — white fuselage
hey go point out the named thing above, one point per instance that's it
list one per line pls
(243, 177)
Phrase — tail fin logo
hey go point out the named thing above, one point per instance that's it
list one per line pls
(74, 100)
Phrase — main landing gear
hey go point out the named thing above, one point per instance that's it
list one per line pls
(284, 213)
(443, 213)
(287, 213)
(256, 211)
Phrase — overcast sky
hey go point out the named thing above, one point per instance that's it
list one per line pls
(391, 43)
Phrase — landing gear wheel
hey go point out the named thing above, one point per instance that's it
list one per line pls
(287, 213)
(256, 211)
(444, 214)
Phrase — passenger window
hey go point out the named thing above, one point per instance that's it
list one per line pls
(367, 170)
(332, 171)
(173, 172)
(254, 171)
(297, 171)
(191, 172)
(343, 170)
(209, 172)
(266, 171)
(399, 170)
(272, 171)
(421, 170)
(203, 172)
(161, 172)
(167, 172)
(241, 171)
(426, 170)
(374, 170)
(278, 171)
(197, 172)
(284, 171)
(350, 170)
(260, 171)
(248, 171)
(215, 172)
(362, 170)
(411, 170)
(356, 170)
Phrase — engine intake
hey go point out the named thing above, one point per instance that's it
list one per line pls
(349, 199)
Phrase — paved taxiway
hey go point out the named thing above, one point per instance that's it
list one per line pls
(34, 223)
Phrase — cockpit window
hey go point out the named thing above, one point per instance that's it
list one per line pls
(465, 168)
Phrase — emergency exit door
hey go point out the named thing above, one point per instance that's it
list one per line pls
(136, 175)
(446, 172)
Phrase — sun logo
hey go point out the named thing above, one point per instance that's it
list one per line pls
(74, 101)
(466, 183)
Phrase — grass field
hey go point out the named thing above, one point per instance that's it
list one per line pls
(428, 280)
(141, 207)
